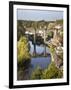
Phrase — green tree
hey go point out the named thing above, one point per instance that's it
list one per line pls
(52, 72)
(23, 50)
(20, 29)
(36, 74)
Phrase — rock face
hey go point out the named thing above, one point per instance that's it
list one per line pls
(57, 56)
(58, 60)
(56, 46)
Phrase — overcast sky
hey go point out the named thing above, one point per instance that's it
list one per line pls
(39, 15)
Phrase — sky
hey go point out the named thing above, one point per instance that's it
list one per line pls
(37, 15)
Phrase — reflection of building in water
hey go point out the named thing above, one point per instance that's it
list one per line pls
(36, 33)
(43, 32)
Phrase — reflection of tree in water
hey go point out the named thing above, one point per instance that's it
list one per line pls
(54, 40)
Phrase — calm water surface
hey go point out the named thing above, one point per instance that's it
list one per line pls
(41, 62)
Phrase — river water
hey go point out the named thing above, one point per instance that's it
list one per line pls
(41, 61)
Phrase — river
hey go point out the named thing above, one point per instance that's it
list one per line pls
(41, 61)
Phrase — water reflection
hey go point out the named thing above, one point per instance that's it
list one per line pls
(39, 48)
(41, 61)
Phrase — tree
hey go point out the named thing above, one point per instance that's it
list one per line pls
(36, 74)
(20, 29)
(52, 72)
(23, 50)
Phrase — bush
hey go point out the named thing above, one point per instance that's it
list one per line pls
(52, 72)
(36, 74)
(23, 50)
